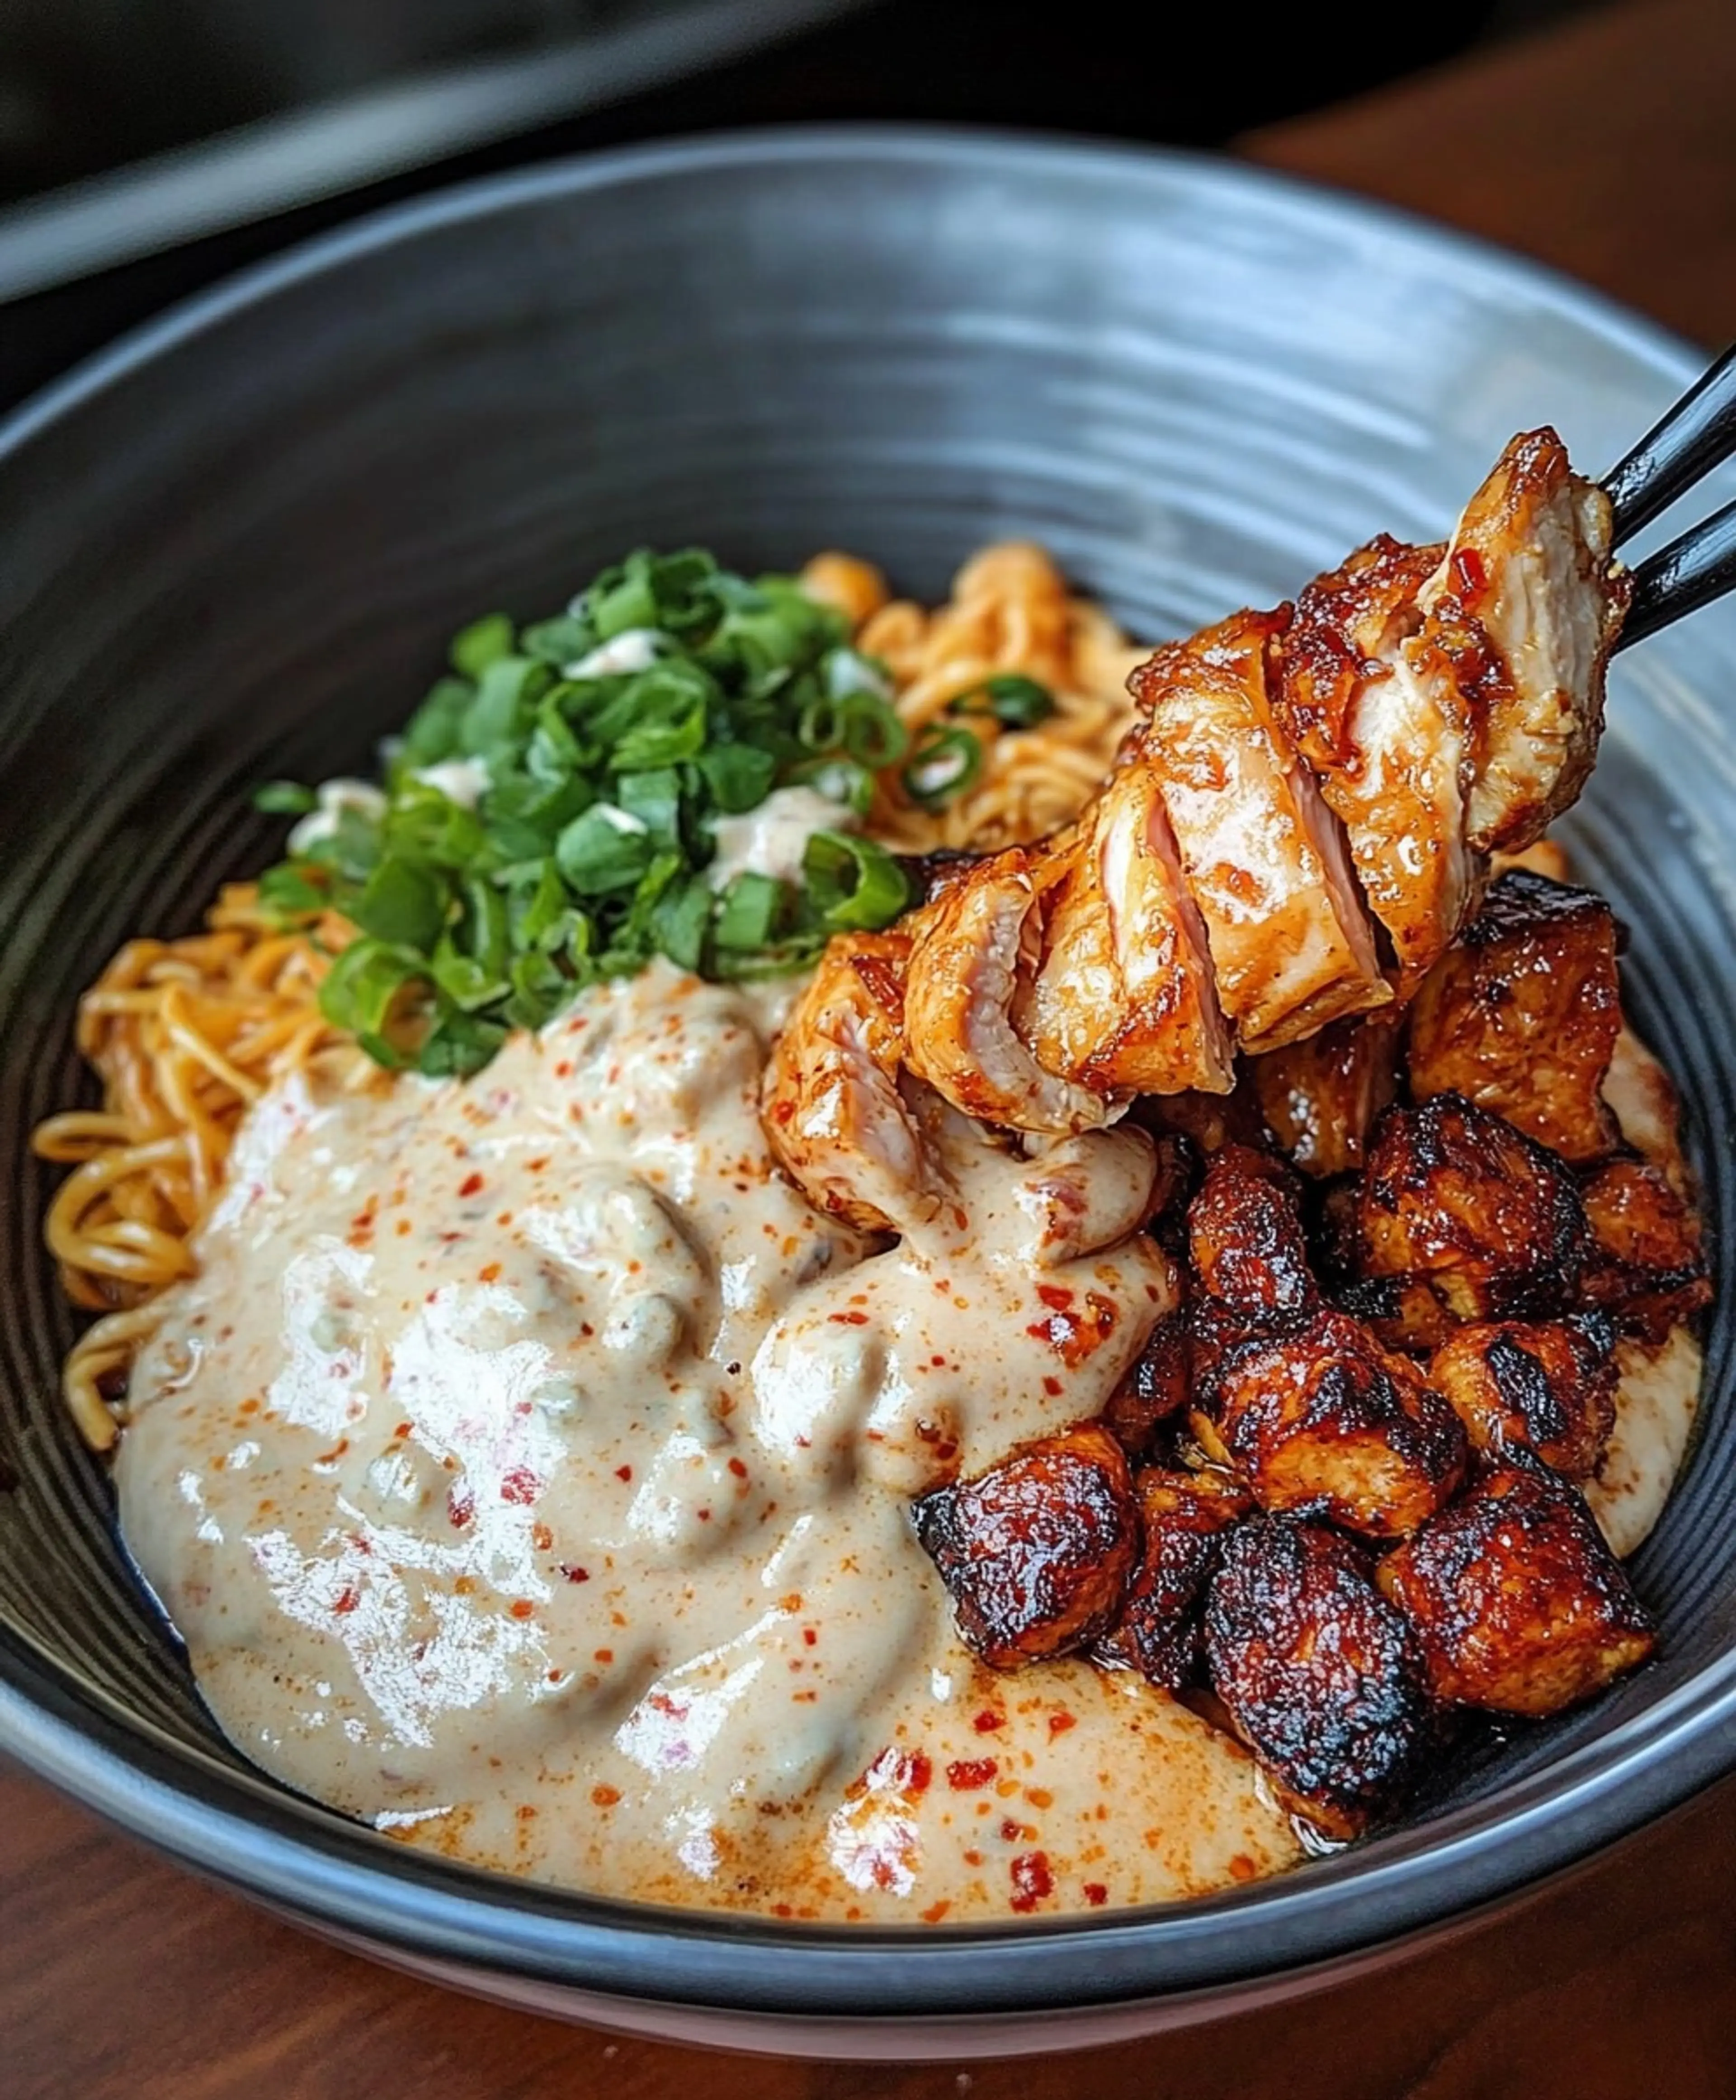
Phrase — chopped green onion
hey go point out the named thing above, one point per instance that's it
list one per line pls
(362, 983)
(852, 882)
(285, 798)
(603, 851)
(401, 902)
(752, 906)
(945, 762)
(1013, 700)
(476, 646)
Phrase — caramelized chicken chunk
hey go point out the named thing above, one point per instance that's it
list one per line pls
(1647, 1265)
(1036, 1551)
(1291, 940)
(1522, 1016)
(1156, 1388)
(1547, 1387)
(1318, 1673)
(1320, 1097)
(1515, 1601)
(1245, 1233)
(1185, 1517)
(1488, 1217)
(1326, 1423)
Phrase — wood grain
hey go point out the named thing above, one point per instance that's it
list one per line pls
(1608, 148)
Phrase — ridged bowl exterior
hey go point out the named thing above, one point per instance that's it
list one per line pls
(232, 550)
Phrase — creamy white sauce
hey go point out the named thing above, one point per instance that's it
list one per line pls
(772, 839)
(528, 1467)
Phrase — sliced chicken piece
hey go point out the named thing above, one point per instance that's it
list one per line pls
(1125, 997)
(1291, 942)
(974, 952)
(1523, 616)
(832, 1107)
(1391, 741)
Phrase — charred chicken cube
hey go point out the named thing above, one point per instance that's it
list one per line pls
(1318, 1673)
(1185, 1518)
(1490, 1219)
(1036, 1551)
(1245, 1232)
(1326, 1423)
(1547, 1387)
(1514, 1600)
(1156, 1388)
(1647, 1265)
(1401, 1312)
(1522, 1015)
(1320, 1096)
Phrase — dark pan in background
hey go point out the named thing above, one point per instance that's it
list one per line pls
(231, 549)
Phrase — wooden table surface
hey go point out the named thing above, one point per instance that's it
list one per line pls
(1607, 148)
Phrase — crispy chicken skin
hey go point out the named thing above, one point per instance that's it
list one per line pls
(1156, 1388)
(1547, 1386)
(1036, 1552)
(1458, 1198)
(1124, 999)
(1320, 1096)
(1320, 1420)
(1390, 740)
(1185, 1518)
(974, 947)
(1245, 1233)
(1291, 941)
(1522, 1015)
(1318, 1673)
(832, 1107)
(1647, 1265)
(1523, 614)
(1514, 1598)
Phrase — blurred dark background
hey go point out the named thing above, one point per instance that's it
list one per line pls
(148, 147)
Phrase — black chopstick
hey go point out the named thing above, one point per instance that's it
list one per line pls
(1697, 435)
(1683, 577)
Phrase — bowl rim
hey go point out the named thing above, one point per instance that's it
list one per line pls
(246, 1830)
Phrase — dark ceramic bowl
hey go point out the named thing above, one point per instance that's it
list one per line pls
(232, 549)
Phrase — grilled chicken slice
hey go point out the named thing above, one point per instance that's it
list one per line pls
(1522, 1015)
(1454, 708)
(1547, 1387)
(1523, 617)
(1320, 1675)
(1036, 1551)
(1320, 1420)
(1456, 1198)
(1185, 1518)
(1513, 1599)
(832, 1107)
(1124, 998)
(1390, 739)
(1290, 939)
(974, 951)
